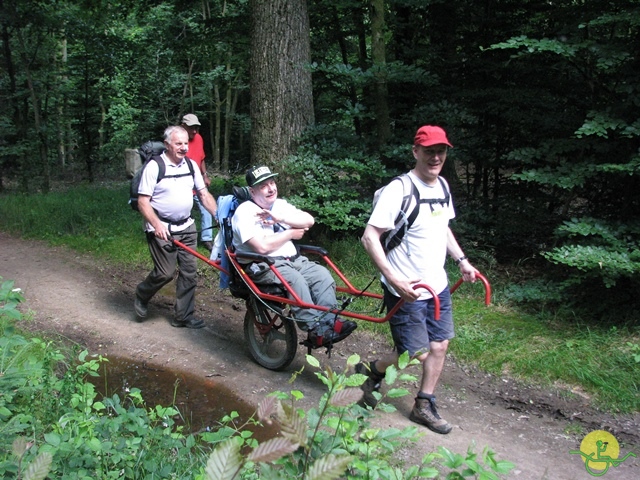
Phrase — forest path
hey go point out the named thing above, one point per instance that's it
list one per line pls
(90, 303)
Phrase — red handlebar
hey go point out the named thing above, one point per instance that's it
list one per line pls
(485, 282)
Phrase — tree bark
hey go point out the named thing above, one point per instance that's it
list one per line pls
(37, 117)
(281, 91)
(378, 56)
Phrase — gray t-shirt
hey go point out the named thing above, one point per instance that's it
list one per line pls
(171, 198)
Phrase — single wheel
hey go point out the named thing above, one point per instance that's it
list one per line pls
(272, 339)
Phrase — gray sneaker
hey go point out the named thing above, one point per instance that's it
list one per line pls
(140, 307)
(424, 412)
(371, 384)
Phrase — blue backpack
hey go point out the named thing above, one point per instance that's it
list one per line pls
(227, 205)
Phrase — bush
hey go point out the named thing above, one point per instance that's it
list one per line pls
(336, 440)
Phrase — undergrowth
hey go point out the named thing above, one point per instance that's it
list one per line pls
(543, 347)
(52, 424)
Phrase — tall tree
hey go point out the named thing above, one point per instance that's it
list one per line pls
(379, 59)
(281, 91)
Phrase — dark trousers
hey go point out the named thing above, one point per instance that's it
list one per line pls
(168, 258)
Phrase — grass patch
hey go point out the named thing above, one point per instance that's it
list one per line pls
(595, 359)
(602, 361)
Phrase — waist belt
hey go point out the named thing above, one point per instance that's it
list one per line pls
(176, 223)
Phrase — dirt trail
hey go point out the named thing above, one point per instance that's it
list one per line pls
(91, 304)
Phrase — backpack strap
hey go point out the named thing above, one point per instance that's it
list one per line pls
(442, 201)
(392, 238)
(162, 169)
(405, 219)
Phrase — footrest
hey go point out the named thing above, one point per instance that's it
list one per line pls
(312, 346)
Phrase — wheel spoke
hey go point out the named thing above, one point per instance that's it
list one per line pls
(272, 340)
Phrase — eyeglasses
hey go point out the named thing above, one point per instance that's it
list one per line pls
(432, 152)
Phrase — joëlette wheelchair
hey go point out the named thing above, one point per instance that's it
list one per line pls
(269, 327)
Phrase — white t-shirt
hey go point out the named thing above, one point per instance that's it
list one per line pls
(423, 250)
(171, 198)
(247, 225)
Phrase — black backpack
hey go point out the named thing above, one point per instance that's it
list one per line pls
(151, 151)
(392, 238)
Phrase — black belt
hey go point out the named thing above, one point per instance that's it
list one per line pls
(175, 224)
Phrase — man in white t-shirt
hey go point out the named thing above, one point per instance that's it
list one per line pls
(166, 207)
(266, 225)
(419, 258)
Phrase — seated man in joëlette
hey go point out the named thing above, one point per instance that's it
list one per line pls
(266, 225)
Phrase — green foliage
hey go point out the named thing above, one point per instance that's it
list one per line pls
(39, 467)
(634, 351)
(594, 257)
(588, 173)
(83, 437)
(334, 181)
(609, 251)
(336, 440)
(84, 217)
(71, 433)
(541, 349)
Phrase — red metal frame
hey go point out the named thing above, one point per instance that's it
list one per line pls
(485, 282)
(347, 287)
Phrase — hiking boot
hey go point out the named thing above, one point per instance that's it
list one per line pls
(424, 412)
(208, 244)
(140, 307)
(191, 323)
(371, 384)
(340, 330)
(343, 328)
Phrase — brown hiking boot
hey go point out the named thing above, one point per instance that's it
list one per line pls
(424, 412)
(371, 384)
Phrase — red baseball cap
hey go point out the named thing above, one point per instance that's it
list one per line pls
(430, 135)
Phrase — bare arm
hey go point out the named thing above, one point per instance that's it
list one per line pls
(371, 243)
(149, 214)
(207, 200)
(453, 249)
(203, 170)
(299, 219)
(266, 244)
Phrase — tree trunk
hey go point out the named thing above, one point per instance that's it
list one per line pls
(281, 91)
(37, 118)
(378, 56)
(230, 111)
(217, 102)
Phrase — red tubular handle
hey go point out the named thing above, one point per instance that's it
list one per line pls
(485, 282)
(436, 300)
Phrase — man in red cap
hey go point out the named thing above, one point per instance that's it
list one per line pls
(418, 257)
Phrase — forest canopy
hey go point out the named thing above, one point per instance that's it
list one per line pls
(540, 100)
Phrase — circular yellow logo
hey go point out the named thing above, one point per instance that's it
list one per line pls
(600, 448)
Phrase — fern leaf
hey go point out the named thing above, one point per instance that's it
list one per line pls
(20, 446)
(346, 397)
(292, 425)
(272, 450)
(39, 468)
(328, 468)
(225, 461)
(266, 409)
